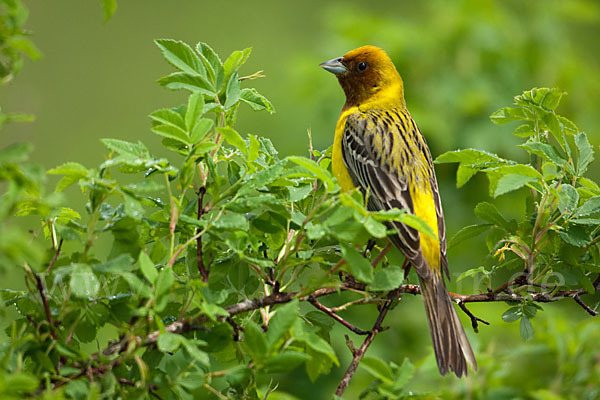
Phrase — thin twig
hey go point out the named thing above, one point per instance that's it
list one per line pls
(201, 268)
(336, 317)
(587, 308)
(359, 354)
(42, 290)
(382, 254)
(474, 319)
(56, 254)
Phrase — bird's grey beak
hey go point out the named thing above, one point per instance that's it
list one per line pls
(334, 66)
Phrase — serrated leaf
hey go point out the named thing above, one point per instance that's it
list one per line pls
(232, 93)
(467, 233)
(234, 139)
(509, 114)
(200, 129)
(525, 328)
(512, 314)
(194, 110)
(281, 323)
(173, 133)
(137, 285)
(358, 266)
(524, 131)
(232, 220)
(568, 198)
(191, 82)
(576, 235)
(591, 206)
(257, 101)
(285, 362)
(489, 213)
(168, 342)
(235, 61)
(584, 151)
(377, 368)
(83, 282)
(387, 278)
(147, 267)
(473, 271)
(126, 148)
(263, 178)
(181, 56)
(319, 172)
(255, 341)
(213, 64)
(546, 151)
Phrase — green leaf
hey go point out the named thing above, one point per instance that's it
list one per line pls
(543, 97)
(147, 267)
(509, 114)
(181, 56)
(73, 173)
(358, 266)
(232, 93)
(234, 139)
(200, 129)
(489, 213)
(318, 171)
(137, 285)
(546, 151)
(512, 314)
(281, 323)
(591, 206)
(417, 223)
(286, 361)
(377, 368)
(168, 342)
(191, 82)
(466, 233)
(232, 220)
(568, 198)
(257, 101)
(84, 283)
(404, 375)
(213, 64)
(576, 235)
(164, 281)
(109, 6)
(194, 110)
(524, 131)
(473, 271)
(235, 61)
(238, 376)
(507, 178)
(585, 153)
(255, 341)
(125, 148)
(16, 153)
(173, 133)
(525, 328)
(387, 278)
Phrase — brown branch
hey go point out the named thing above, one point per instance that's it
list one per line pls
(286, 297)
(42, 290)
(359, 354)
(201, 268)
(56, 254)
(474, 319)
(336, 317)
(587, 308)
(382, 254)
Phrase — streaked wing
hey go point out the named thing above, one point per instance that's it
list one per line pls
(384, 152)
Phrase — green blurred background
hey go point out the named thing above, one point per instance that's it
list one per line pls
(460, 61)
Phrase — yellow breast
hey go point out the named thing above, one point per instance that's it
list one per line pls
(337, 162)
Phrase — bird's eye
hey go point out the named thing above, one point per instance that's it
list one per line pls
(362, 66)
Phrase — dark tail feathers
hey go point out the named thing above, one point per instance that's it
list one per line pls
(452, 349)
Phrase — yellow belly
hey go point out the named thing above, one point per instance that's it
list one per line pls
(424, 206)
(338, 166)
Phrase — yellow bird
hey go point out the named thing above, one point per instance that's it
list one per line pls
(379, 149)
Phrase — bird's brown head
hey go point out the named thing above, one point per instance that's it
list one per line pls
(368, 77)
